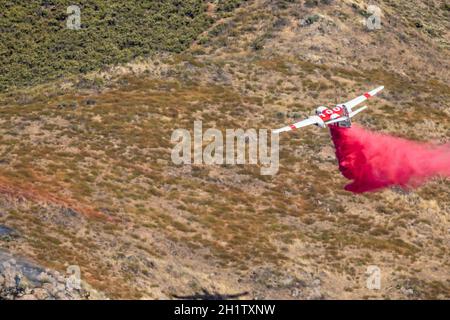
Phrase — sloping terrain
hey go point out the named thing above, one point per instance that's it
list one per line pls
(37, 45)
(87, 179)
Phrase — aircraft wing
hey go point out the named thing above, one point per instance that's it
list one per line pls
(337, 120)
(353, 103)
(301, 124)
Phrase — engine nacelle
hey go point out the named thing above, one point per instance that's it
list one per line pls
(320, 122)
(320, 109)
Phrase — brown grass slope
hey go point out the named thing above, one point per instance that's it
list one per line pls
(104, 141)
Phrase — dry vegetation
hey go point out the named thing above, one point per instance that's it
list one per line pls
(87, 177)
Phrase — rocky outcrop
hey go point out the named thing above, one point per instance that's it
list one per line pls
(21, 279)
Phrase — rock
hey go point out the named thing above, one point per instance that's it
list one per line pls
(316, 282)
(40, 294)
(24, 280)
(295, 293)
(287, 281)
(7, 231)
(69, 212)
(407, 292)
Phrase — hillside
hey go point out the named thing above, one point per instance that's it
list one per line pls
(87, 178)
(37, 46)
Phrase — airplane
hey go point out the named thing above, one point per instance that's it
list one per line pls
(340, 115)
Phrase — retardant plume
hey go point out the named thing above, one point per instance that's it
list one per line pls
(374, 160)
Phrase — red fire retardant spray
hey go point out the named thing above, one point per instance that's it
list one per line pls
(375, 160)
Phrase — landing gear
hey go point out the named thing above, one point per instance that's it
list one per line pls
(346, 123)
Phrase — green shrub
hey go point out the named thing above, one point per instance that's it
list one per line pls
(36, 46)
(228, 5)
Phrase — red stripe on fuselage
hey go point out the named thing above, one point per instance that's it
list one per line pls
(326, 115)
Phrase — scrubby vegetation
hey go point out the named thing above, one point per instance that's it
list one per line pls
(228, 5)
(36, 45)
(102, 142)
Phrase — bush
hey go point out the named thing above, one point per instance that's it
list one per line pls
(258, 44)
(228, 5)
(36, 46)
